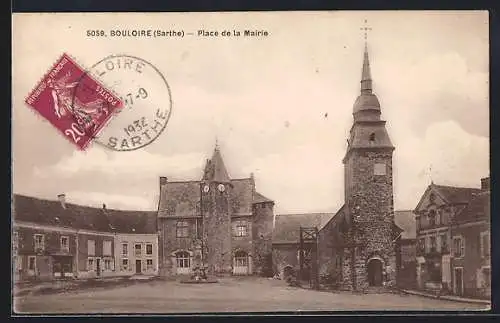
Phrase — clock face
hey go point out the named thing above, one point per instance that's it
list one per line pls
(206, 188)
(221, 187)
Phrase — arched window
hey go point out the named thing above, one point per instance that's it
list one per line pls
(182, 259)
(182, 229)
(241, 259)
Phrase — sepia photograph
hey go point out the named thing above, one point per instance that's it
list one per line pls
(250, 162)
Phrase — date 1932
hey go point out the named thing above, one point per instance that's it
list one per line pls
(136, 126)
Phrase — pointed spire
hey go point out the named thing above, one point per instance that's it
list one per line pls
(366, 76)
(215, 169)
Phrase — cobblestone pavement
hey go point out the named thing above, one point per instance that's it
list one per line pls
(248, 294)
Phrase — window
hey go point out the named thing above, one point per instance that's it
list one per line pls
(15, 240)
(90, 264)
(39, 242)
(31, 262)
(485, 244)
(421, 244)
(182, 259)
(124, 264)
(65, 244)
(91, 247)
(125, 249)
(106, 248)
(138, 249)
(107, 264)
(182, 229)
(379, 169)
(433, 244)
(486, 277)
(432, 217)
(149, 249)
(458, 247)
(149, 264)
(241, 229)
(444, 242)
(372, 137)
(241, 259)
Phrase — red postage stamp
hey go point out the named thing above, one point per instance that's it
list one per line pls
(74, 102)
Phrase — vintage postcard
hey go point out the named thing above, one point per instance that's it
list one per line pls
(250, 162)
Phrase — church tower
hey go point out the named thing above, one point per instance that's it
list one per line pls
(216, 189)
(369, 253)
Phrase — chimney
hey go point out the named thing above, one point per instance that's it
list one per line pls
(62, 199)
(485, 184)
(163, 180)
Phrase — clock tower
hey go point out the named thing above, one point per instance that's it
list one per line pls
(216, 191)
(369, 249)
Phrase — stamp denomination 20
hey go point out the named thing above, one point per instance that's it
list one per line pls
(77, 105)
(147, 98)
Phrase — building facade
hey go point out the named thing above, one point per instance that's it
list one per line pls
(471, 248)
(450, 224)
(286, 239)
(218, 223)
(136, 254)
(406, 250)
(58, 240)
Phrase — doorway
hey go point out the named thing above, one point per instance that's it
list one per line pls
(375, 272)
(138, 269)
(459, 281)
(240, 263)
(98, 267)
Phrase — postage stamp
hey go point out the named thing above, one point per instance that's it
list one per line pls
(74, 102)
(147, 101)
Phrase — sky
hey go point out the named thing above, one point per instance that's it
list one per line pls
(280, 106)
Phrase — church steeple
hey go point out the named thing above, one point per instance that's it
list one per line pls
(367, 106)
(368, 129)
(215, 170)
(366, 76)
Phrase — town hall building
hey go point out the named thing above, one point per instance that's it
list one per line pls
(218, 223)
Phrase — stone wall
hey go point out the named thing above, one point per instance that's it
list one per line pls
(263, 214)
(370, 207)
(217, 229)
(170, 243)
(329, 254)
